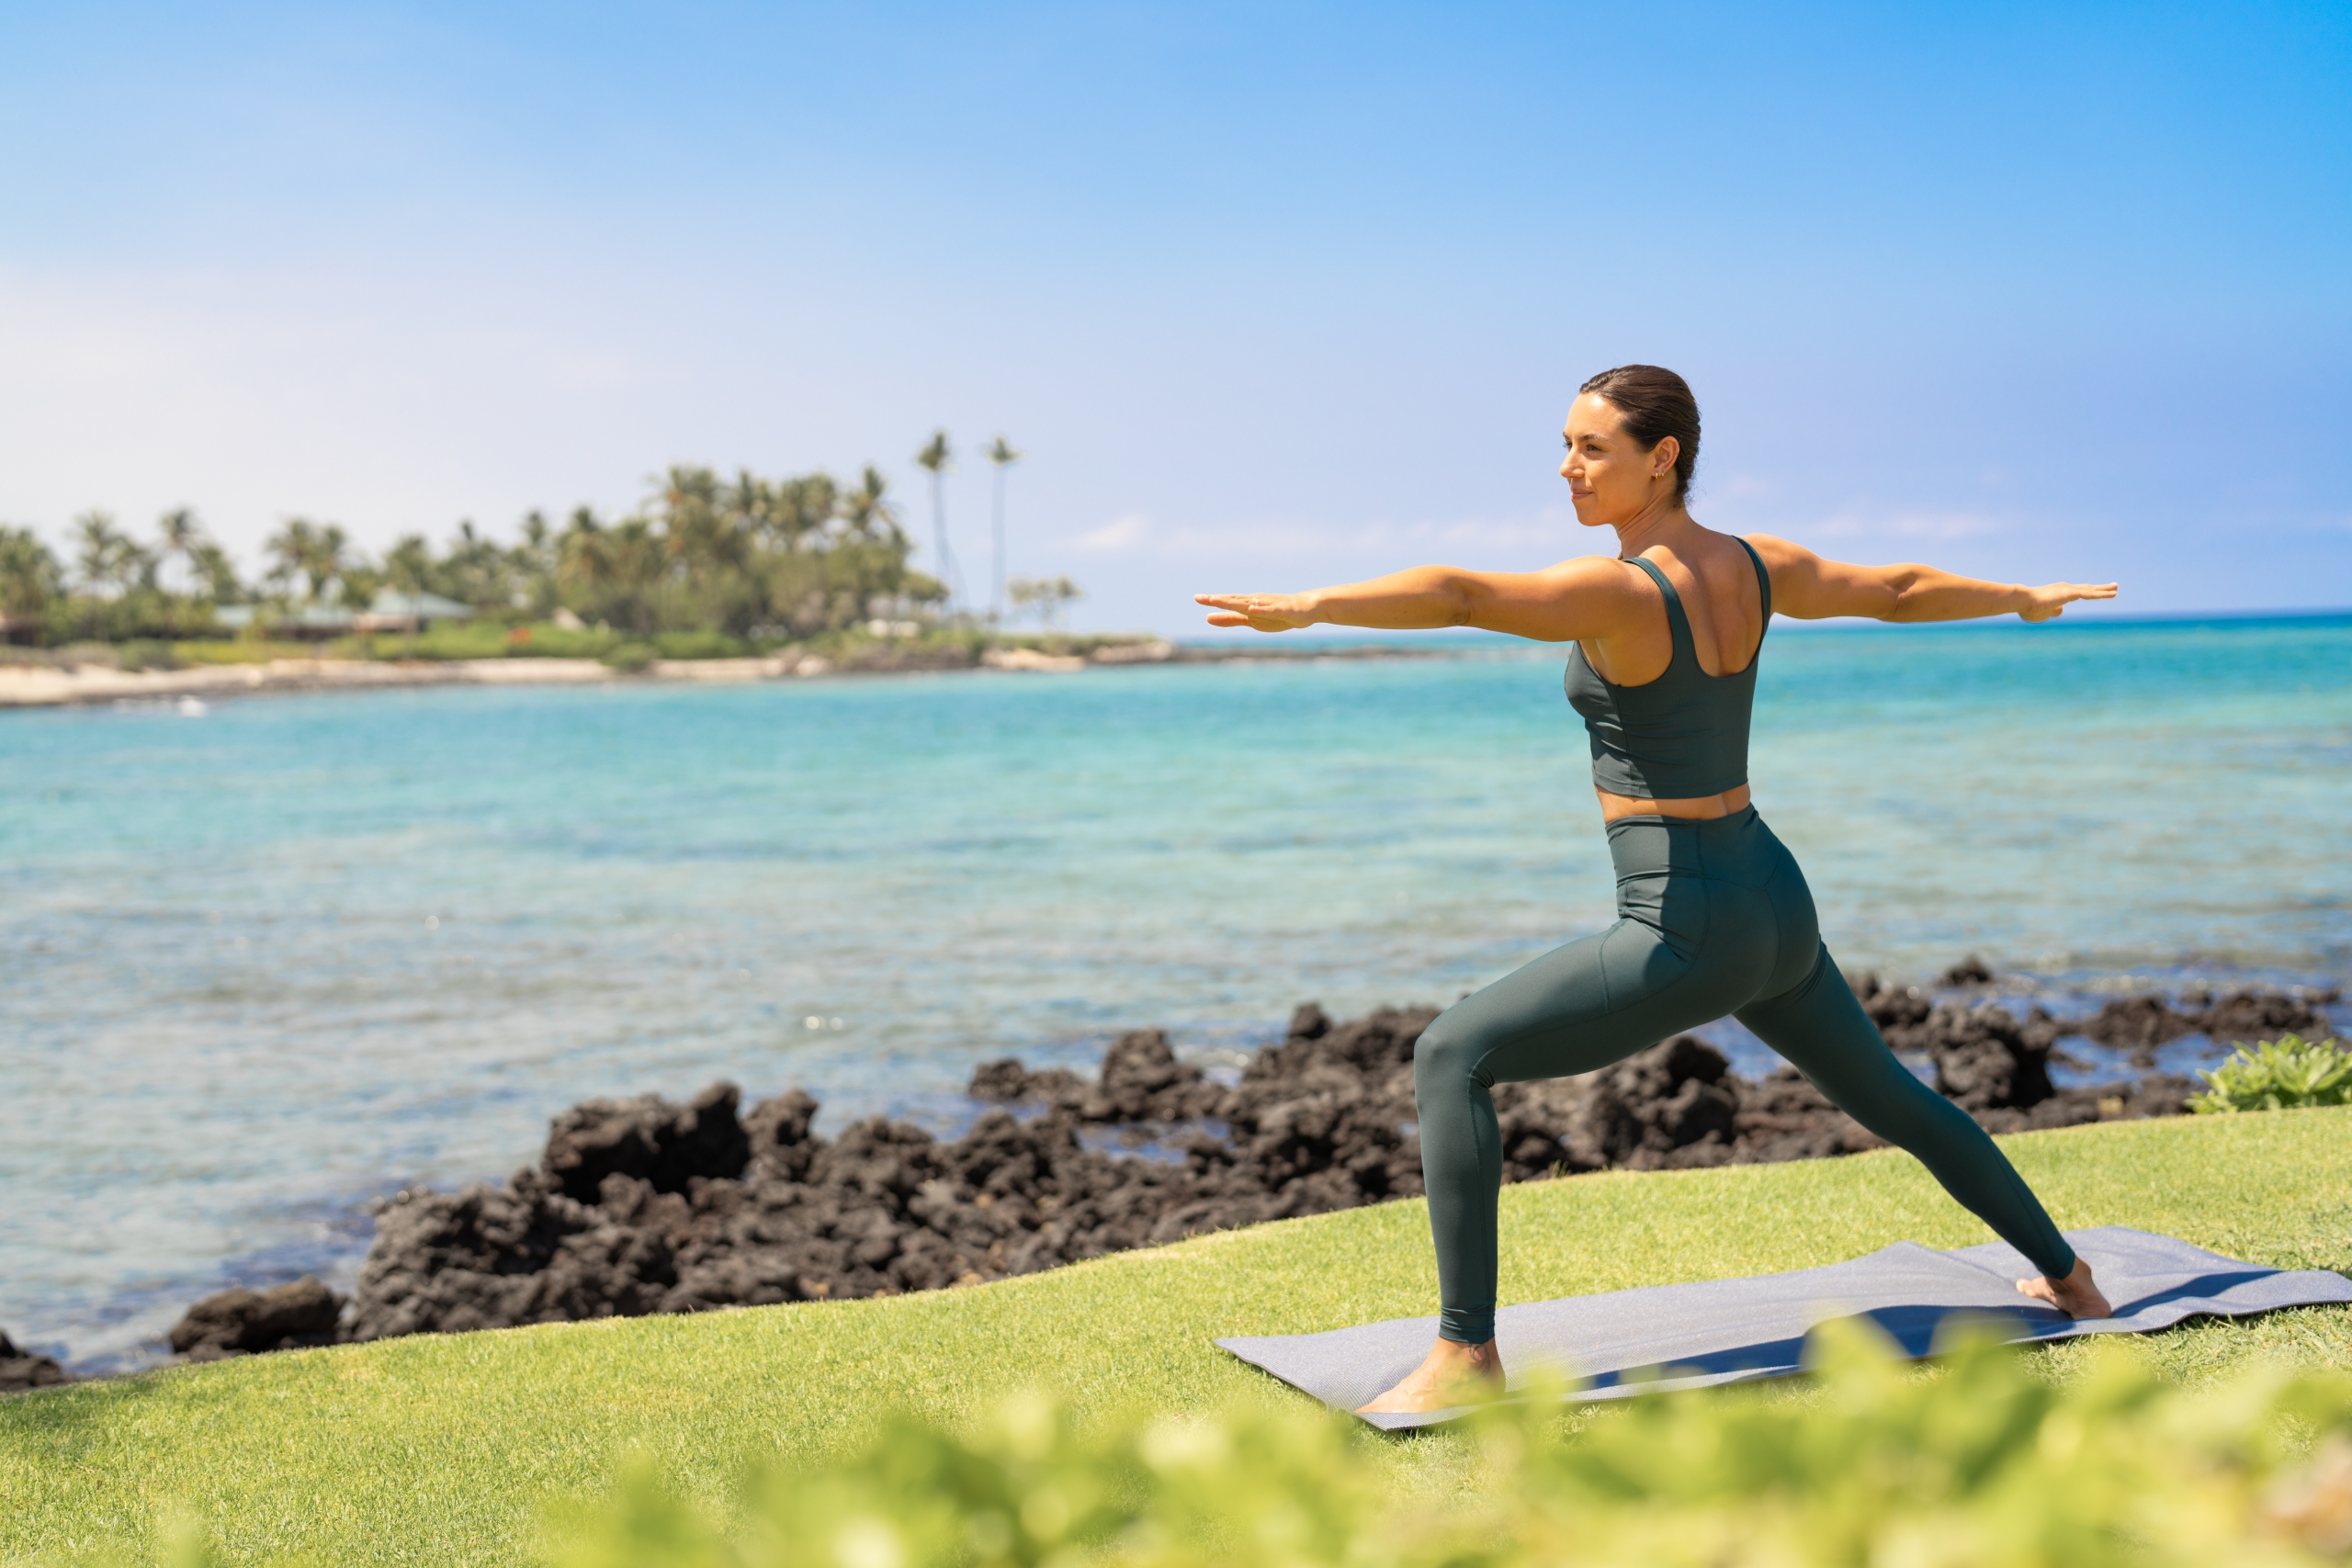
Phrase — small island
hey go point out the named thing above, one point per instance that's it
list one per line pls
(711, 580)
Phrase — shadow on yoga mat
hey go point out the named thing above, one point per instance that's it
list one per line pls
(1723, 1331)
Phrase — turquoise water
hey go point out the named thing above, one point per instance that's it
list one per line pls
(263, 965)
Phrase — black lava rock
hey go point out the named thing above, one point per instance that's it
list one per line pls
(22, 1372)
(239, 1321)
(646, 1206)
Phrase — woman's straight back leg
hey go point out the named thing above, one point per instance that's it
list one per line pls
(1818, 1026)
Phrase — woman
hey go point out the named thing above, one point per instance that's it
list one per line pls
(1714, 917)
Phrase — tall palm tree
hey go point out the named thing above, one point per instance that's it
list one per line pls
(326, 562)
(107, 559)
(937, 457)
(799, 509)
(213, 568)
(1001, 454)
(181, 536)
(868, 513)
(294, 542)
(94, 546)
(584, 559)
(313, 551)
(408, 567)
(28, 580)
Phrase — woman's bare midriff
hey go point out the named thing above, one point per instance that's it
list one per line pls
(1698, 808)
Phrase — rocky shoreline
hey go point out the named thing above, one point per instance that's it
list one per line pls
(643, 1206)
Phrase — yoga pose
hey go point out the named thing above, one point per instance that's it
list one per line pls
(1714, 916)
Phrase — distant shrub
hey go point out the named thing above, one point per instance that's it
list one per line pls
(2279, 1075)
(700, 645)
(145, 653)
(550, 642)
(237, 650)
(88, 654)
(632, 657)
(1984, 1463)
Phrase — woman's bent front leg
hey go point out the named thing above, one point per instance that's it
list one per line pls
(1575, 1009)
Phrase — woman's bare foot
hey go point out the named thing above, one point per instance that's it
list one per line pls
(2075, 1295)
(1453, 1374)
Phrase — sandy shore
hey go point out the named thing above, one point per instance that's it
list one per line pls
(45, 686)
(23, 686)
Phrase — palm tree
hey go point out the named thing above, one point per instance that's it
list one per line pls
(213, 568)
(183, 537)
(1001, 454)
(106, 557)
(704, 530)
(93, 547)
(408, 567)
(866, 511)
(293, 547)
(326, 564)
(286, 549)
(584, 559)
(797, 510)
(28, 580)
(315, 552)
(936, 457)
(1045, 596)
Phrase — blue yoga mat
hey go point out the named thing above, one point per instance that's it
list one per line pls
(1724, 1331)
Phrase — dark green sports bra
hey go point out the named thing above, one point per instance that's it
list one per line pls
(1681, 735)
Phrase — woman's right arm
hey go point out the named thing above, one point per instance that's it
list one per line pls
(1591, 596)
(1809, 588)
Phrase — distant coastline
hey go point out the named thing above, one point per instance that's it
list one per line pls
(68, 683)
(88, 674)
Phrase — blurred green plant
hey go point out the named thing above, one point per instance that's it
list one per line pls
(2279, 1075)
(700, 645)
(633, 658)
(1044, 597)
(1980, 1462)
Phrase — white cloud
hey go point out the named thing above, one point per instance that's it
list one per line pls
(1119, 534)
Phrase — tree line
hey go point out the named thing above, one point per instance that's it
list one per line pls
(751, 557)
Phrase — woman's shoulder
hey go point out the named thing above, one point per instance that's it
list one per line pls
(1773, 548)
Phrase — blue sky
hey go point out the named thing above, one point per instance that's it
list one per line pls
(1271, 294)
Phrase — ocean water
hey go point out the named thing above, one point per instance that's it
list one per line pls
(260, 966)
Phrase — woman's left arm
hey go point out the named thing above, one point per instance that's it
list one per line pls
(1809, 588)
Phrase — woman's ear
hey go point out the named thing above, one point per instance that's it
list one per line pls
(1664, 455)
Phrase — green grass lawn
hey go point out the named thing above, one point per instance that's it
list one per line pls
(445, 1449)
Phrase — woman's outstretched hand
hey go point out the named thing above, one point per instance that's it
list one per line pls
(2050, 599)
(1260, 612)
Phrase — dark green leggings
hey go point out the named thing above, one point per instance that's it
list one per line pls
(1714, 919)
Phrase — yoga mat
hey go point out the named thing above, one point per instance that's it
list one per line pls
(1720, 1331)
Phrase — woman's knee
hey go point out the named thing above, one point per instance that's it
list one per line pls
(1445, 1058)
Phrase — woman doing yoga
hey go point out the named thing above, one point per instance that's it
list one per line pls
(1714, 917)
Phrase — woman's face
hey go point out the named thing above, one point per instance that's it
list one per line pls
(1611, 478)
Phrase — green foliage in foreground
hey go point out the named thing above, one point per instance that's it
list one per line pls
(1986, 1464)
(2279, 1075)
(444, 1449)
